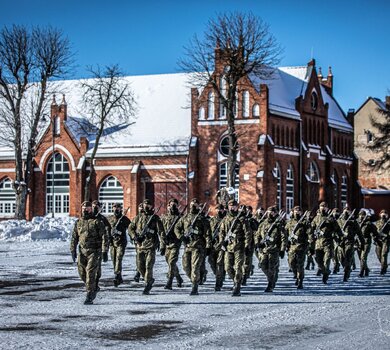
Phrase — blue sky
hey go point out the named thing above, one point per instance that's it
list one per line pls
(147, 37)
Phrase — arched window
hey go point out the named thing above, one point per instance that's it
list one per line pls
(201, 113)
(289, 189)
(110, 192)
(7, 198)
(344, 190)
(223, 178)
(224, 146)
(313, 174)
(210, 105)
(57, 185)
(278, 176)
(222, 109)
(314, 101)
(335, 180)
(245, 104)
(255, 110)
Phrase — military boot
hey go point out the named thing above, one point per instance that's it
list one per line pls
(345, 279)
(194, 290)
(300, 284)
(307, 267)
(383, 271)
(169, 283)
(361, 274)
(179, 281)
(325, 278)
(89, 299)
(269, 288)
(148, 287)
(366, 272)
(319, 272)
(236, 290)
(244, 279)
(218, 285)
(137, 276)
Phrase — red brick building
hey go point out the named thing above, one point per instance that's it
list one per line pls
(296, 147)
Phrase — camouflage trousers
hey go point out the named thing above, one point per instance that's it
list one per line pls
(117, 254)
(296, 261)
(337, 257)
(363, 255)
(269, 264)
(212, 259)
(172, 257)
(88, 264)
(346, 258)
(192, 263)
(248, 262)
(323, 258)
(382, 252)
(234, 262)
(145, 263)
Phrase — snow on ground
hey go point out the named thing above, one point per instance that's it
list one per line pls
(41, 306)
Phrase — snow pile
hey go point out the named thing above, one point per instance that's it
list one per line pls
(40, 228)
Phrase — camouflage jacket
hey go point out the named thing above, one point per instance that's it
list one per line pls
(89, 234)
(350, 232)
(119, 228)
(270, 241)
(240, 237)
(301, 238)
(215, 227)
(369, 231)
(384, 232)
(325, 230)
(199, 235)
(151, 234)
(169, 239)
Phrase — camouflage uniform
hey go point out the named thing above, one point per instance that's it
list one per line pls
(235, 246)
(107, 227)
(351, 232)
(382, 248)
(216, 256)
(91, 236)
(146, 244)
(252, 225)
(118, 243)
(299, 239)
(195, 245)
(270, 244)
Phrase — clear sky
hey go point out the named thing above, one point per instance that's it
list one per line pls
(147, 37)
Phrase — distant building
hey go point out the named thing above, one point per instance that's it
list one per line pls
(296, 147)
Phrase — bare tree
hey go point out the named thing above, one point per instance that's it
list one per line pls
(108, 100)
(29, 58)
(244, 44)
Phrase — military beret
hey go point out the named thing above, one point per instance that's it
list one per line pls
(233, 202)
(324, 204)
(173, 200)
(195, 200)
(383, 211)
(297, 207)
(96, 202)
(86, 204)
(272, 209)
(117, 205)
(147, 201)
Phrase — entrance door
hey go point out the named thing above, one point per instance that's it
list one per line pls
(161, 192)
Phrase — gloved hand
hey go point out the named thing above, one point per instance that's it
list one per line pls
(105, 256)
(281, 254)
(208, 251)
(162, 251)
(260, 245)
(225, 244)
(139, 239)
(74, 256)
(186, 240)
(247, 251)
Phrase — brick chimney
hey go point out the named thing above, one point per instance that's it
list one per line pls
(327, 83)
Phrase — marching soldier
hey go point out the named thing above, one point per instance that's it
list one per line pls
(137, 275)
(298, 231)
(194, 230)
(270, 241)
(325, 230)
(369, 231)
(170, 244)
(252, 226)
(146, 230)
(235, 240)
(90, 235)
(351, 232)
(382, 248)
(337, 253)
(118, 240)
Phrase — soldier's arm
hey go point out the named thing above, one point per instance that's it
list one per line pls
(283, 233)
(105, 238)
(132, 228)
(74, 241)
(248, 234)
(179, 228)
(207, 232)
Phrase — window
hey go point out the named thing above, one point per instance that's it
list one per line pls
(256, 110)
(278, 176)
(201, 113)
(57, 184)
(222, 108)
(344, 191)
(110, 192)
(7, 198)
(289, 189)
(313, 174)
(314, 101)
(223, 178)
(370, 135)
(335, 180)
(224, 146)
(245, 104)
(210, 105)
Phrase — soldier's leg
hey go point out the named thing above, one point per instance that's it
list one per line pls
(328, 254)
(137, 273)
(93, 261)
(378, 252)
(113, 256)
(300, 266)
(82, 262)
(292, 262)
(120, 252)
(219, 270)
(364, 270)
(141, 267)
(229, 264)
(212, 259)
(274, 268)
(186, 262)
(347, 261)
(149, 264)
(336, 261)
(196, 262)
(239, 257)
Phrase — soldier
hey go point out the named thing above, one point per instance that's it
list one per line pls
(96, 210)
(137, 275)
(146, 230)
(337, 250)
(118, 241)
(90, 235)
(270, 241)
(216, 256)
(299, 238)
(259, 215)
(252, 225)
(325, 230)
(382, 248)
(351, 231)
(170, 244)
(235, 240)
(194, 230)
(369, 231)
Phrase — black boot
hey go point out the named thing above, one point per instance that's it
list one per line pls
(361, 274)
(366, 272)
(179, 281)
(118, 279)
(296, 281)
(89, 298)
(244, 280)
(137, 276)
(300, 284)
(325, 277)
(148, 287)
(194, 290)
(345, 279)
(252, 270)
(269, 288)
(319, 272)
(169, 284)
(236, 290)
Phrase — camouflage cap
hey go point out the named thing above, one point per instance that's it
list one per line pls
(147, 201)
(272, 209)
(173, 200)
(195, 201)
(297, 208)
(383, 211)
(86, 204)
(324, 204)
(232, 202)
(336, 210)
(96, 202)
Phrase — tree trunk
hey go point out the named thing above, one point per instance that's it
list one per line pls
(21, 203)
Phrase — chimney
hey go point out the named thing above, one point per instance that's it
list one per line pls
(63, 108)
(350, 116)
(328, 82)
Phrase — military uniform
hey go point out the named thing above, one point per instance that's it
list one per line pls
(271, 242)
(118, 243)
(216, 256)
(382, 248)
(252, 225)
(107, 227)
(90, 235)
(146, 234)
(194, 231)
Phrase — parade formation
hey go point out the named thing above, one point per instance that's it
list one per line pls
(228, 240)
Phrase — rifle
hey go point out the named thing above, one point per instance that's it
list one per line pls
(293, 235)
(346, 222)
(115, 233)
(216, 231)
(317, 232)
(381, 232)
(191, 230)
(267, 238)
(145, 230)
(169, 232)
(230, 235)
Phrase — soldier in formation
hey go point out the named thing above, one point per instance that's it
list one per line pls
(383, 243)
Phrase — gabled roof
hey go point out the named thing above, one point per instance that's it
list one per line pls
(381, 104)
